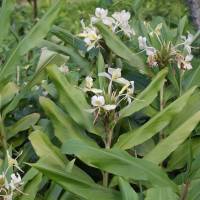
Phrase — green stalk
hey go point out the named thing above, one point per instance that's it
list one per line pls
(108, 143)
(3, 136)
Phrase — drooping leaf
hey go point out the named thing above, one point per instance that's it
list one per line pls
(35, 35)
(23, 123)
(119, 162)
(76, 185)
(154, 125)
(73, 100)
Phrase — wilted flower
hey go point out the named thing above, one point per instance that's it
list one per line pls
(13, 162)
(64, 69)
(184, 63)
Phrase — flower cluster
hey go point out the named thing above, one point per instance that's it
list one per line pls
(118, 22)
(112, 100)
(7, 189)
(168, 52)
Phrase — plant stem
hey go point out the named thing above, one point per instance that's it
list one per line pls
(161, 108)
(3, 136)
(108, 143)
(180, 90)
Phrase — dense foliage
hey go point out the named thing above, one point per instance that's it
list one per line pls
(111, 111)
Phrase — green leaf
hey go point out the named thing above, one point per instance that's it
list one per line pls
(70, 39)
(35, 35)
(126, 190)
(47, 58)
(194, 193)
(65, 127)
(43, 147)
(75, 57)
(76, 185)
(32, 188)
(148, 95)
(120, 49)
(119, 162)
(73, 100)
(154, 125)
(8, 93)
(54, 190)
(179, 156)
(103, 85)
(191, 77)
(173, 141)
(23, 123)
(160, 193)
(5, 17)
(137, 4)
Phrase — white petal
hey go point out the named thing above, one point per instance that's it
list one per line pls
(90, 110)
(159, 26)
(97, 12)
(94, 19)
(91, 46)
(151, 34)
(89, 82)
(108, 21)
(129, 101)
(104, 74)
(188, 57)
(96, 90)
(121, 80)
(98, 101)
(83, 24)
(188, 48)
(183, 37)
(188, 66)
(109, 107)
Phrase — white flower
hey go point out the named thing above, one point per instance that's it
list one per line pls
(15, 181)
(187, 64)
(122, 16)
(93, 36)
(188, 42)
(129, 93)
(99, 102)
(64, 69)
(156, 32)
(101, 14)
(115, 76)
(89, 83)
(13, 162)
(142, 42)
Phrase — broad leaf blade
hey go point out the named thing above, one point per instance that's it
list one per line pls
(126, 190)
(154, 125)
(73, 100)
(77, 185)
(65, 127)
(173, 141)
(119, 162)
